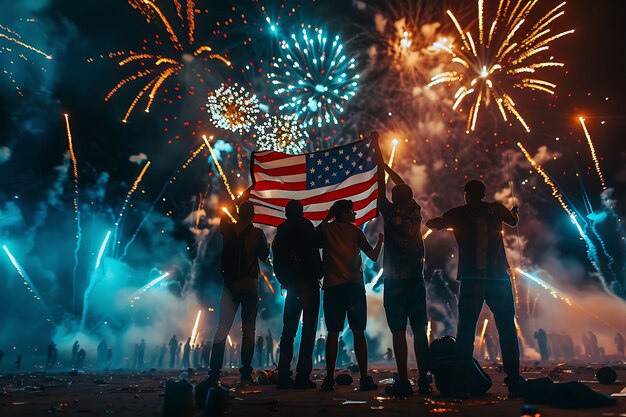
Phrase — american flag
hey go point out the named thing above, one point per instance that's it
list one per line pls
(316, 180)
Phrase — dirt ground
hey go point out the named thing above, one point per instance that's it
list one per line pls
(127, 393)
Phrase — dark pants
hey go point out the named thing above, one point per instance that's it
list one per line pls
(499, 297)
(300, 301)
(232, 298)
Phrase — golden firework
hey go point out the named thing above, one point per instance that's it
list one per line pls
(506, 55)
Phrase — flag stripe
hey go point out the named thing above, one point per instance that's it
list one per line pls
(303, 193)
(285, 170)
(350, 192)
(279, 186)
(301, 177)
(278, 163)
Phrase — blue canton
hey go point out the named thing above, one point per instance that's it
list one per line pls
(335, 165)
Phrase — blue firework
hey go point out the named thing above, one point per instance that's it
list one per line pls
(314, 77)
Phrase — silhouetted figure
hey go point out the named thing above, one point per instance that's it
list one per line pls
(75, 349)
(567, 347)
(593, 344)
(404, 294)
(140, 354)
(269, 348)
(388, 355)
(173, 345)
(260, 342)
(620, 343)
(51, 359)
(483, 272)
(186, 354)
(587, 346)
(162, 354)
(492, 347)
(102, 352)
(244, 246)
(344, 293)
(1, 356)
(136, 356)
(179, 351)
(18, 362)
(81, 356)
(206, 354)
(342, 354)
(109, 357)
(196, 356)
(542, 343)
(320, 349)
(554, 342)
(298, 266)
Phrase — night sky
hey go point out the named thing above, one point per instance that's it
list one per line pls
(80, 35)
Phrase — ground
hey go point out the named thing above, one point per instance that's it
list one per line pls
(127, 393)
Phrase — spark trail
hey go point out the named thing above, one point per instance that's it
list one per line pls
(29, 284)
(126, 201)
(593, 153)
(76, 209)
(93, 280)
(218, 166)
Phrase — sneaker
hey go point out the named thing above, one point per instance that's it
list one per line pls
(400, 388)
(284, 383)
(424, 387)
(367, 384)
(303, 382)
(328, 384)
(246, 380)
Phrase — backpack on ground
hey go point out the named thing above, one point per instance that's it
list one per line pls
(442, 357)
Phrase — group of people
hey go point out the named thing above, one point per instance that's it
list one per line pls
(483, 271)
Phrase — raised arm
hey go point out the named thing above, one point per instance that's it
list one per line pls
(374, 253)
(393, 175)
(509, 217)
(436, 223)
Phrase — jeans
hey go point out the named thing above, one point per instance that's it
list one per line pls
(303, 300)
(499, 297)
(232, 298)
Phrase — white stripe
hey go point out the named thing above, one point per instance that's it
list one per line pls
(309, 208)
(258, 176)
(283, 162)
(302, 194)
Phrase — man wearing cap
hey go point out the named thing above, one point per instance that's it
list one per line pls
(484, 274)
(344, 292)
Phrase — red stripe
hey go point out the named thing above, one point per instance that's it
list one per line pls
(271, 156)
(326, 197)
(273, 185)
(368, 216)
(289, 170)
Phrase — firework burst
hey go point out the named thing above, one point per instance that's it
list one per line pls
(12, 46)
(233, 108)
(314, 77)
(157, 68)
(282, 134)
(502, 56)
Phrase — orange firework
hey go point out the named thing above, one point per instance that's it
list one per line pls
(156, 68)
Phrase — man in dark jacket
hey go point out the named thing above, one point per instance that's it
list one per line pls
(244, 245)
(298, 266)
(484, 275)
